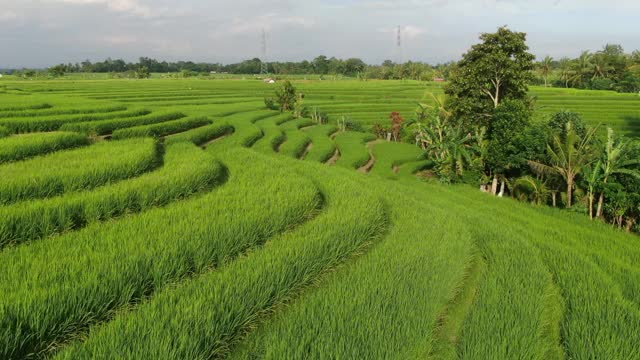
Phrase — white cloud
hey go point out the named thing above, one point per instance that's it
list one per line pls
(7, 15)
(132, 7)
(267, 22)
(121, 40)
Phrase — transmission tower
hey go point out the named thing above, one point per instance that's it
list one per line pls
(264, 68)
(399, 45)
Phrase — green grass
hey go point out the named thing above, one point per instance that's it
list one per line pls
(295, 144)
(353, 149)
(217, 307)
(273, 136)
(53, 290)
(4, 131)
(77, 169)
(245, 131)
(384, 304)
(143, 249)
(201, 135)
(104, 127)
(390, 155)
(57, 122)
(412, 167)
(186, 171)
(20, 147)
(162, 129)
(65, 110)
(323, 146)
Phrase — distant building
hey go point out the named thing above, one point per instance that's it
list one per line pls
(439, 79)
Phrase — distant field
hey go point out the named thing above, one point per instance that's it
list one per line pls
(367, 102)
(181, 219)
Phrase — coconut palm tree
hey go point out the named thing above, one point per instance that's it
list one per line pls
(545, 69)
(582, 68)
(593, 177)
(565, 70)
(600, 67)
(568, 155)
(617, 159)
(531, 188)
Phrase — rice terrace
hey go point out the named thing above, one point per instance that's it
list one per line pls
(482, 208)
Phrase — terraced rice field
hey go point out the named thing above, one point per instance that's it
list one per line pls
(181, 220)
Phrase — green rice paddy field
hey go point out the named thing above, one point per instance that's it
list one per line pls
(180, 219)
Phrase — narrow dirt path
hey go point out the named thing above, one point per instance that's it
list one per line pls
(372, 160)
(334, 158)
(306, 150)
(204, 146)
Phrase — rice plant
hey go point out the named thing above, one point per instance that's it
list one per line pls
(323, 146)
(51, 291)
(77, 169)
(295, 144)
(20, 147)
(186, 171)
(353, 149)
(56, 122)
(104, 127)
(217, 307)
(162, 129)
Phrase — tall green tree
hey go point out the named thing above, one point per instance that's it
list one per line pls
(497, 69)
(490, 73)
(507, 153)
(286, 96)
(569, 154)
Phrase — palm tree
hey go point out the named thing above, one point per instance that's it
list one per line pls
(545, 68)
(600, 66)
(568, 155)
(617, 160)
(582, 67)
(593, 176)
(565, 70)
(531, 188)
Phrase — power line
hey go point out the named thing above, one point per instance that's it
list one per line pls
(264, 69)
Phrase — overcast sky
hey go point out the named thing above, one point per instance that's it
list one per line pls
(38, 33)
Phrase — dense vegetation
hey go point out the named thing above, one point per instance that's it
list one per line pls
(607, 69)
(185, 219)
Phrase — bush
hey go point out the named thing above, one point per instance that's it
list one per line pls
(270, 103)
(601, 84)
(380, 131)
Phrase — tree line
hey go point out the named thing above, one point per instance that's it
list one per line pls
(320, 65)
(607, 69)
